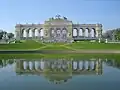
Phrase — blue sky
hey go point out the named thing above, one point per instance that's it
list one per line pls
(106, 12)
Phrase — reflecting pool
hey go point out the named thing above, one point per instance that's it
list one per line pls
(60, 74)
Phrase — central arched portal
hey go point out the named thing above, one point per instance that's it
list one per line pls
(58, 34)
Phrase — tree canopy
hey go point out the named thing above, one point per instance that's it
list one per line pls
(4, 34)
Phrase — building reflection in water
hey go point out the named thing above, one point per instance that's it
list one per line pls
(59, 71)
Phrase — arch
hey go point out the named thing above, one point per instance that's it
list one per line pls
(36, 65)
(92, 64)
(93, 32)
(41, 32)
(42, 65)
(23, 33)
(30, 33)
(64, 33)
(58, 32)
(27, 32)
(74, 32)
(80, 65)
(81, 32)
(52, 32)
(30, 65)
(24, 65)
(74, 65)
(36, 32)
(86, 32)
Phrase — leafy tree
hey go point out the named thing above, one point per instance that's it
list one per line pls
(117, 34)
(1, 34)
(108, 34)
(10, 35)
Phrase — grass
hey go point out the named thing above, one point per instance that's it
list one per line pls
(29, 44)
(93, 45)
(33, 45)
(56, 56)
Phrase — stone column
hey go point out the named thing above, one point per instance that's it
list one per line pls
(27, 65)
(77, 32)
(22, 31)
(83, 32)
(39, 33)
(88, 65)
(89, 33)
(27, 34)
(99, 68)
(77, 65)
(94, 33)
(33, 65)
(83, 65)
(21, 65)
(99, 33)
(18, 35)
(99, 30)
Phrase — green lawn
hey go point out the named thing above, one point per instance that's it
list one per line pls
(93, 45)
(66, 56)
(31, 44)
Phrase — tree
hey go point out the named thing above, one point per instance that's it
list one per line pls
(117, 34)
(10, 35)
(1, 34)
(108, 34)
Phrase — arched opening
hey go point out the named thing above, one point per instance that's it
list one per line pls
(42, 65)
(52, 32)
(24, 32)
(74, 32)
(80, 65)
(74, 65)
(80, 32)
(89, 33)
(36, 32)
(30, 33)
(86, 65)
(42, 32)
(86, 32)
(24, 65)
(36, 65)
(93, 32)
(58, 34)
(64, 33)
(31, 65)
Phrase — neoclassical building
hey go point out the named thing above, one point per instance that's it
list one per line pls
(58, 29)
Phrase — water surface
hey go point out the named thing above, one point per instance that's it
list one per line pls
(59, 74)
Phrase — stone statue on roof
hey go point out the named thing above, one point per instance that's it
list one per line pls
(57, 16)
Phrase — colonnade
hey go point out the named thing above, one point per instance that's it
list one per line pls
(45, 29)
(41, 65)
(38, 33)
(28, 33)
(90, 33)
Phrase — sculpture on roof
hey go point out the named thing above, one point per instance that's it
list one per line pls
(57, 16)
(64, 18)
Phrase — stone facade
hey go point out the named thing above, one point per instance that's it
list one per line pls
(57, 29)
